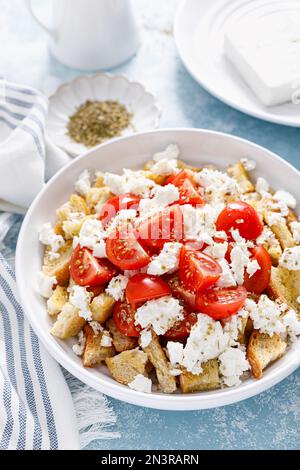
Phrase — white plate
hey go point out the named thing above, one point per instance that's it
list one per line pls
(197, 147)
(199, 30)
(101, 86)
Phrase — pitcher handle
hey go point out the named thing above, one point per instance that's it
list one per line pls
(46, 28)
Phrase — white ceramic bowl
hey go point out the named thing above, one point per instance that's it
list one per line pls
(197, 147)
(101, 86)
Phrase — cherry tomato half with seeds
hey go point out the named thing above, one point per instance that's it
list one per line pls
(124, 250)
(241, 216)
(221, 302)
(181, 329)
(143, 287)
(86, 270)
(260, 280)
(188, 191)
(197, 270)
(123, 316)
(115, 204)
(180, 293)
(165, 226)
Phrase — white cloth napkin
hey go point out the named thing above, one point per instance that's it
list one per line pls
(37, 410)
(27, 156)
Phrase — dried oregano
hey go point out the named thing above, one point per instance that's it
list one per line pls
(96, 121)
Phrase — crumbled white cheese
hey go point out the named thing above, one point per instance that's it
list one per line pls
(265, 315)
(160, 314)
(233, 364)
(235, 325)
(175, 352)
(100, 249)
(199, 222)
(141, 384)
(83, 184)
(295, 227)
(249, 165)
(262, 186)
(171, 152)
(175, 372)
(290, 258)
(80, 298)
(216, 185)
(252, 267)
(217, 250)
(167, 261)
(106, 340)
(117, 286)
(45, 284)
(161, 196)
(292, 324)
(48, 237)
(164, 167)
(124, 215)
(78, 348)
(239, 261)
(285, 197)
(132, 272)
(207, 340)
(266, 236)
(145, 338)
(227, 278)
(90, 233)
(130, 181)
(96, 326)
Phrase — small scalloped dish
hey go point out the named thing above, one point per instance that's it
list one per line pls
(99, 87)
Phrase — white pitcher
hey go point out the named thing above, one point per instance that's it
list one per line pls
(91, 34)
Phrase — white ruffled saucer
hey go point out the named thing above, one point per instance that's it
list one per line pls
(102, 87)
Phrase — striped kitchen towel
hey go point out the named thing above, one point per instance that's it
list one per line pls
(37, 410)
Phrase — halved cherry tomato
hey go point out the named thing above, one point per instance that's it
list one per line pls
(124, 250)
(197, 270)
(143, 287)
(182, 328)
(115, 204)
(96, 290)
(180, 293)
(86, 270)
(123, 316)
(221, 302)
(241, 216)
(260, 280)
(188, 191)
(165, 226)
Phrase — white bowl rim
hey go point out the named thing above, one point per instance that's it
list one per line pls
(176, 402)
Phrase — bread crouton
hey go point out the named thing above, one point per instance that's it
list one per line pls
(97, 196)
(156, 355)
(75, 205)
(59, 267)
(120, 341)
(102, 307)
(239, 173)
(208, 379)
(125, 366)
(262, 350)
(285, 285)
(94, 353)
(158, 179)
(280, 229)
(99, 180)
(72, 227)
(57, 300)
(68, 322)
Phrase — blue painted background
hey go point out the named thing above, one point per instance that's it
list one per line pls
(268, 421)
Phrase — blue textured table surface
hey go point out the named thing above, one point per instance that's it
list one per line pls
(271, 420)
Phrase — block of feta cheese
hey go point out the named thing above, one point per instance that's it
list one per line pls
(266, 53)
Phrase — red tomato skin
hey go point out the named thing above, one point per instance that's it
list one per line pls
(143, 287)
(123, 316)
(163, 227)
(260, 280)
(124, 250)
(241, 216)
(188, 191)
(182, 329)
(220, 303)
(180, 293)
(86, 270)
(197, 270)
(115, 204)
